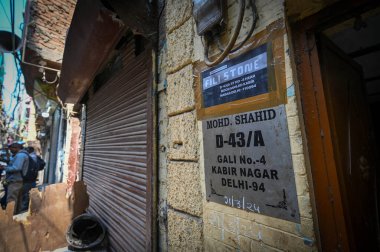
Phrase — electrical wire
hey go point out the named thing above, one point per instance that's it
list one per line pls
(13, 95)
(17, 86)
(34, 90)
(5, 12)
(233, 49)
(162, 10)
(16, 94)
(50, 82)
(253, 26)
(12, 7)
(18, 89)
(230, 44)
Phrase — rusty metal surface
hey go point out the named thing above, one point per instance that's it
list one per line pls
(44, 226)
(115, 166)
(137, 15)
(73, 162)
(93, 34)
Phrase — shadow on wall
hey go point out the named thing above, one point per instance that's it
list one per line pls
(44, 227)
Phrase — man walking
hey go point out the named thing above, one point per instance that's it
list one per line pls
(14, 169)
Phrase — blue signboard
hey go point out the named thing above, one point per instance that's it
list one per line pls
(242, 77)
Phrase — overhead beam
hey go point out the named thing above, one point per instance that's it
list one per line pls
(139, 16)
(365, 51)
(374, 78)
(93, 35)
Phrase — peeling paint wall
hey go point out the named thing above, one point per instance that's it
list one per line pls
(44, 227)
(71, 148)
(186, 220)
(73, 155)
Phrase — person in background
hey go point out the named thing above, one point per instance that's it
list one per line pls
(4, 160)
(3, 192)
(28, 184)
(32, 153)
(13, 170)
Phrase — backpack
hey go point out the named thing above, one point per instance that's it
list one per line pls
(30, 175)
(40, 163)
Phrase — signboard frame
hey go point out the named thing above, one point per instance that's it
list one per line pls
(273, 37)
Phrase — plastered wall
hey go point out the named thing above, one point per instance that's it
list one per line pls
(187, 222)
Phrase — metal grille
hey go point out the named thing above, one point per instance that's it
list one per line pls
(115, 157)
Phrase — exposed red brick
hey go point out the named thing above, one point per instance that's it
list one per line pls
(49, 23)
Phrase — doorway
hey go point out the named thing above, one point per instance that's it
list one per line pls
(339, 79)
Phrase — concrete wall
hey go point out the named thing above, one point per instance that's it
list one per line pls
(187, 222)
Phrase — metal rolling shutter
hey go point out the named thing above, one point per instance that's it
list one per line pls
(116, 168)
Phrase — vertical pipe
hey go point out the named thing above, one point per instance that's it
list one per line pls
(83, 121)
(54, 146)
(62, 134)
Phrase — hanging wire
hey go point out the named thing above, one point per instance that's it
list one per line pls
(5, 12)
(255, 17)
(231, 47)
(230, 43)
(50, 82)
(17, 86)
(12, 7)
(33, 89)
(13, 95)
